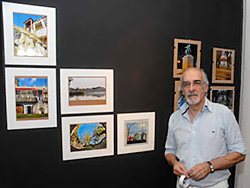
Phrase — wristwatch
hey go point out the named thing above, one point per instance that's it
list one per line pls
(211, 166)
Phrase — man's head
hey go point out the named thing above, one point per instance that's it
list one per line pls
(194, 85)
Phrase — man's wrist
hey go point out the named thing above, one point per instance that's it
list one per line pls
(211, 166)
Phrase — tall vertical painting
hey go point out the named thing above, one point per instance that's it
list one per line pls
(223, 65)
(187, 53)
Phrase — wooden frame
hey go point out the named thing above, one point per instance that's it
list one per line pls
(223, 95)
(223, 65)
(142, 138)
(87, 136)
(187, 53)
(178, 97)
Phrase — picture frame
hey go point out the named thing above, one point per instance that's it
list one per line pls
(135, 132)
(86, 90)
(179, 99)
(30, 98)
(223, 65)
(187, 53)
(87, 136)
(223, 95)
(29, 34)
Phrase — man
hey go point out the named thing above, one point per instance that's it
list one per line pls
(204, 138)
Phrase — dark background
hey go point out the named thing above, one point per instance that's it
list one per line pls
(135, 38)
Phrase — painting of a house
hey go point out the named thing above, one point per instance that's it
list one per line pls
(31, 98)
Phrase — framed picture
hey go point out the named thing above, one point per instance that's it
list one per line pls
(86, 90)
(223, 95)
(187, 53)
(30, 98)
(223, 66)
(136, 132)
(87, 136)
(29, 34)
(179, 99)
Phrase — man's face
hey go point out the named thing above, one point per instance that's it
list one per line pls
(193, 86)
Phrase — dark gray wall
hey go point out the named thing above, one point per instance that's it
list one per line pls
(135, 38)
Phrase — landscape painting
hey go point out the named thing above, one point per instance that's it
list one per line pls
(223, 65)
(87, 91)
(136, 131)
(31, 97)
(30, 35)
(88, 136)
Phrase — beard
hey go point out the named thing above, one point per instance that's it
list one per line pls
(194, 101)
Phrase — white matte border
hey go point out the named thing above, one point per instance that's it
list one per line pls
(12, 123)
(108, 107)
(121, 134)
(67, 121)
(10, 58)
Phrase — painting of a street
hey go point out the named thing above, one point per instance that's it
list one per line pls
(136, 131)
(87, 91)
(30, 35)
(31, 98)
(88, 136)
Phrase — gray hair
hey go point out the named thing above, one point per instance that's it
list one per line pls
(204, 75)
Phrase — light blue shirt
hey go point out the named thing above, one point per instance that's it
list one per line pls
(213, 133)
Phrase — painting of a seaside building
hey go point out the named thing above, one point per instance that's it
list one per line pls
(88, 136)
(31, 98)
(30, 35)
(136, 131)
(87, 91)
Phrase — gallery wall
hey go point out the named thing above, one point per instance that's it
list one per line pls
(135, 39)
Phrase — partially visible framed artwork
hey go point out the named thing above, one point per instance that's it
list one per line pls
(136, 132)
(179, 99)
(223, 95)
(29, 34)
(187, 53)
(30, 98)
(86, 90)
(87, 136)
(223, 65)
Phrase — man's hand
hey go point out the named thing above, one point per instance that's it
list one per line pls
(199, 171)
(180, 169)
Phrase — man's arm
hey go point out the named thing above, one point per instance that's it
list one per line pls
(178, 168)
(200, 171)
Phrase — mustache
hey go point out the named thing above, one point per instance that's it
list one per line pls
(192, 93)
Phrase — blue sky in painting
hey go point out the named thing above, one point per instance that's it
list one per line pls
(87, 128)
(19, 18)
(31, 81)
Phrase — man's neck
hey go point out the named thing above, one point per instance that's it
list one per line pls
(195, 109)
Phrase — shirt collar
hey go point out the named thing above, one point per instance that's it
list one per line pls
(207, 105)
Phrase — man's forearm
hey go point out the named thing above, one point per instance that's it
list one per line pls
(228, 160)
(171, 159)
